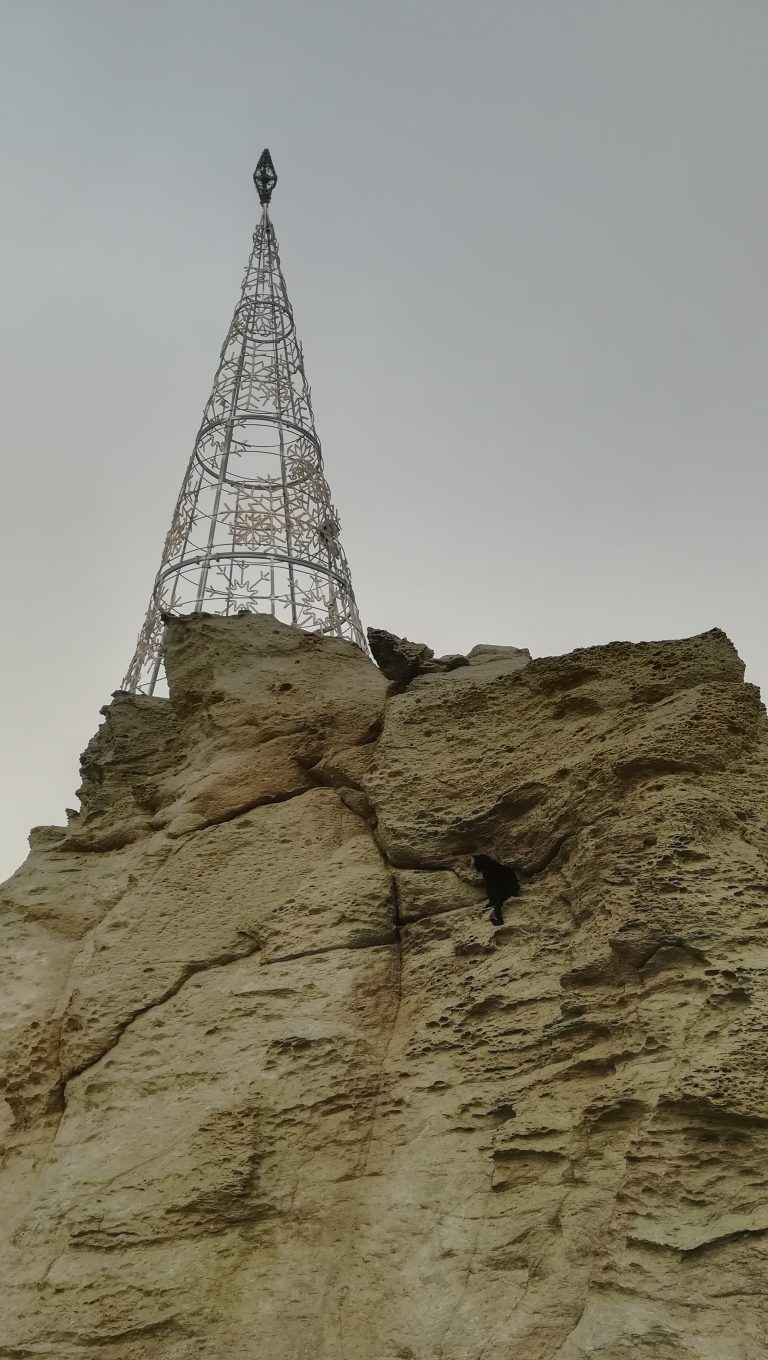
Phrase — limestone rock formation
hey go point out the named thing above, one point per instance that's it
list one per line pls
(272, 1085)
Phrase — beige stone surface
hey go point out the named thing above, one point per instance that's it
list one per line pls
(274, 1086)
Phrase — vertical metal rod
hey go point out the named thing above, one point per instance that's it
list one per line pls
(155, 672)
(232, 559)
(272, 562)
(281, 437)
(228, 437)
(333, 613)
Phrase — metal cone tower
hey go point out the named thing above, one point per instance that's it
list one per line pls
(254, 527)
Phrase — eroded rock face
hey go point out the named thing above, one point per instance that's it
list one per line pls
(272, 1080)
(401, 660)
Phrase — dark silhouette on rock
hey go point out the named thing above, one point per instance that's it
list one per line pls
(501, 883)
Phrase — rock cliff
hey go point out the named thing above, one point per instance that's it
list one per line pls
(274, 1086)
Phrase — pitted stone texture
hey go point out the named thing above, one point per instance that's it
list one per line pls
(124, 770)
(239, 1112)
(46, 909)
(484, 652)
(254, 705)
(288, 1125)
(398, 658)
(294, 878)
(422, 893)
(345, 769)
(401, 660)
(259, 704)
(516, 762)
(497, 660)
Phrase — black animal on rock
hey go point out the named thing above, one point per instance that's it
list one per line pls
(501, 883)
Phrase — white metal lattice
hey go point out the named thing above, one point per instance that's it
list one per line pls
(254, 527)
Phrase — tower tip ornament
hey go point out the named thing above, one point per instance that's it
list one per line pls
(254, 527)
(265, 177)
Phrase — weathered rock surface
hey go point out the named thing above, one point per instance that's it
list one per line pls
(272, 1084)
(401, 660)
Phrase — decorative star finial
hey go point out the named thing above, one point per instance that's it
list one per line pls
(264, 177)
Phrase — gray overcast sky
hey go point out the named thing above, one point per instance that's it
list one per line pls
(526, 246)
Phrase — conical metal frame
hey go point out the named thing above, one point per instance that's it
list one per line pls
(254, 527)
